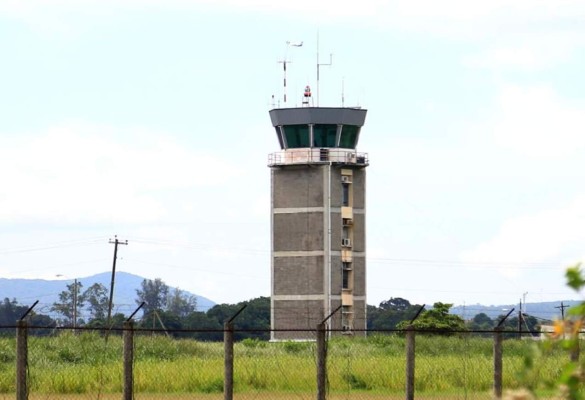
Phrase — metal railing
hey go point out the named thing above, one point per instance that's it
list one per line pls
(318, 156)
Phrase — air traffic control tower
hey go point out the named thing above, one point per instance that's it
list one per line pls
(318, 215)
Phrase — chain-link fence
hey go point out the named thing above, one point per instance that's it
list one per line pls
(131, 363)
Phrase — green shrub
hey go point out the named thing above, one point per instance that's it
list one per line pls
(212, 386)
(295, 347)
(356, 382)
(253, 343)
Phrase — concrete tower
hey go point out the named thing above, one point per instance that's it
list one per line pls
(318, 215)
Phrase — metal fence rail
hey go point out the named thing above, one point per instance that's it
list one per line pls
(132, 363)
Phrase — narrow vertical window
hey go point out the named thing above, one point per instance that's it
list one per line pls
(345, 279)
(345, 194)
(346, 275)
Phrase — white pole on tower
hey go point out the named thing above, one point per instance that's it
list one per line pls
(319, 65)
(285, 61)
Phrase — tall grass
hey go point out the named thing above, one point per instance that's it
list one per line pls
(84, 363)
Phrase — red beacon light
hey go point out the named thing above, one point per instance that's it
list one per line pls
(307, 91)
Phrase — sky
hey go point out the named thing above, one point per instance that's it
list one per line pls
(149, 120)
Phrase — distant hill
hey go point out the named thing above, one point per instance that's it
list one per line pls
(545, 310)
(27, 291)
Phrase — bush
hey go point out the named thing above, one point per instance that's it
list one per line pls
(253, 343)
(295, 347)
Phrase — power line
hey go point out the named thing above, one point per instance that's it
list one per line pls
(251, 251)
(57, 245)
(193, 269)
(464, 263)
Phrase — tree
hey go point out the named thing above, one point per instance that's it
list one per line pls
(437, 320)
(180, 303)
(395, 304)
(482, 322)
(11, 311)
(164, 320)
(204, 327)
(154, 294)
(40, 320)
(96, 297)
(69, 301)
(390, 313)
(256, 315)
(372, 313)
(513, 324)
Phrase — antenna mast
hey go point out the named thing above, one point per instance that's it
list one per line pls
(284, 62)
(319, 65)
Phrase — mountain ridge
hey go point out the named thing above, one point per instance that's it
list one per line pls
(546, 310)
(27, 291)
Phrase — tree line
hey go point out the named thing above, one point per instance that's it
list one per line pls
(398, 313)
(174, 311)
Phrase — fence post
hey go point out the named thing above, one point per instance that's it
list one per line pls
(228, 343)
(128, 360)
(576, 349)
(321, 361)
(410, 356)
(498, 371)
(21, 359)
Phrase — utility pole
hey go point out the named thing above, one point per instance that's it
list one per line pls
(562, 307)
(115, 242)
(520, 321)
(75, 305)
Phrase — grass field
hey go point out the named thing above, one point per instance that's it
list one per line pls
(84, 366)
(264, 396)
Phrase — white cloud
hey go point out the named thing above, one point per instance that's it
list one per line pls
(82, 173)
(536, 122)
(535, 238)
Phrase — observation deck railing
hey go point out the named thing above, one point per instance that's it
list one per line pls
(318, 156)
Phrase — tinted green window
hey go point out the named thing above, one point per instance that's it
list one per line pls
(349, 136)
(324, 135)
(296, 135)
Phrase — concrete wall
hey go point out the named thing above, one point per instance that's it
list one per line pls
(359, 188)
(336, 229)
(335, 187)
(298, 275)
(298, 231)
(359, 316)
(297, 186)
(301, 314)
(359, 276)
(359, 232)
(336, 275)
(299, 226)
